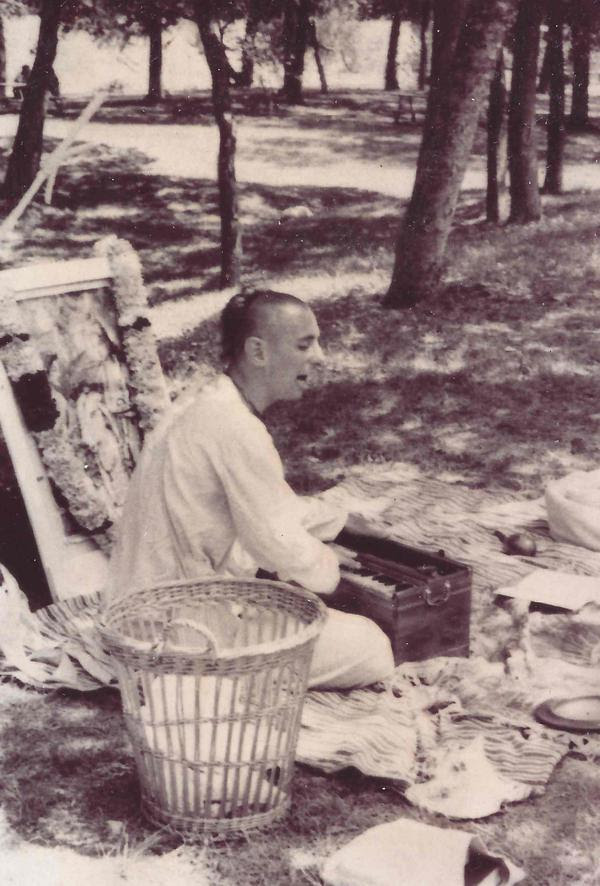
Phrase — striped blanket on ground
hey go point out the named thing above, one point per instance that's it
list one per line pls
(432, 709)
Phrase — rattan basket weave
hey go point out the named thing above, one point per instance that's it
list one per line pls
(213, 676)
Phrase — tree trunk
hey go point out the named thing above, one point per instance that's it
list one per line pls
(24, 161)
(391, 77)
(155, 61)
(2, 60)
(218, 63)
(313, 39)
(295, 39)
(544, 78)
(496, 141)
(246, 75)
(581, 40)
(423, 28)
(553, 183)
(525, 204)
(448, 23)
(460, 80)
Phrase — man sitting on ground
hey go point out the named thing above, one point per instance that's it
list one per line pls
(208, 496)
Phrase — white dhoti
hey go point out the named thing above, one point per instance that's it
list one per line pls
(351, 651)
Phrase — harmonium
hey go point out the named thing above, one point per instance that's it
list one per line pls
(421, 600)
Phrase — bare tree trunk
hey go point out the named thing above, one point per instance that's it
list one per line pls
(218, 63)
(246, 75)
(155, 60)
(24, 161)
(295, 39)
(525, 203)
(544, 78)
(581, 39)
(423, 28)
(2, 60)
(553, 183)
(313, 39)
(496, 140)
(448, 23)
(462, 65)
(391, 77)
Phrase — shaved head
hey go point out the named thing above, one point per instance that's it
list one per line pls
(260, 312)
(271, 346)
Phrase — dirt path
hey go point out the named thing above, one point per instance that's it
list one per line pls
(277, 154)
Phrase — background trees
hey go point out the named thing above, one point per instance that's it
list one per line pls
(210, 17)
(415, 11)
(7, 8)
(288, 28)
(522, 141)
(296, 22)
(496, 138)
(104, 19)
(583, 17)
(121, 20)
(2, 59)
(24, 160)
(556, 80)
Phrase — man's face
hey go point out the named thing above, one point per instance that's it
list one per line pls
(290, 335)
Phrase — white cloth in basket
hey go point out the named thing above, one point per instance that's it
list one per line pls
(172, 727)
(573, 506)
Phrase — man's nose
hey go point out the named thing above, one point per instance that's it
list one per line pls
(316, 353)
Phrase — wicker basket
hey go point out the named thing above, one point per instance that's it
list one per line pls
(213, 676)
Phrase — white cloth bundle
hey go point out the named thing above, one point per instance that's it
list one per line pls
(573, 507)
(172, 727)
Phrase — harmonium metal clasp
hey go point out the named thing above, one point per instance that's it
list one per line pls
(437, 595)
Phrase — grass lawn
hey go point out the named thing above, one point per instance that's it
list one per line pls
(493, 383)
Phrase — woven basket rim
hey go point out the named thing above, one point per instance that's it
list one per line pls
(305, 634)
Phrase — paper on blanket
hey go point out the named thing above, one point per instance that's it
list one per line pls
(561, 589)
(410, 853)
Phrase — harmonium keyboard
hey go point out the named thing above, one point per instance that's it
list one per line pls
(422, 600)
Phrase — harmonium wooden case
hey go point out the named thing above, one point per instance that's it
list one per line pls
(420, 599)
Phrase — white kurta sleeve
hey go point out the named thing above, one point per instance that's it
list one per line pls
(320, 518)
(268, 516)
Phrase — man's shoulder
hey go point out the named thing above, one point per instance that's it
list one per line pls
(217, 409)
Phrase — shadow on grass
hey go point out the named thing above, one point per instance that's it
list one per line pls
(174, 222)
(414, 416)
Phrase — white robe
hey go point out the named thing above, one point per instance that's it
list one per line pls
(209, 497)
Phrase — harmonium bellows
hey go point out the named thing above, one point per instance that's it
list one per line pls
(422, 600)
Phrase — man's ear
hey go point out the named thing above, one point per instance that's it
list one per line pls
(254, 348)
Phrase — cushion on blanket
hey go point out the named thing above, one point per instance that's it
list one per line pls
(573, 507)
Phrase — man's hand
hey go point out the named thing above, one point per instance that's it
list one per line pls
(364, 525)
(346, 557)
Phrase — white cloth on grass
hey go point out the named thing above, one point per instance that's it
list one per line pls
(209, 497)
(412, 853)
